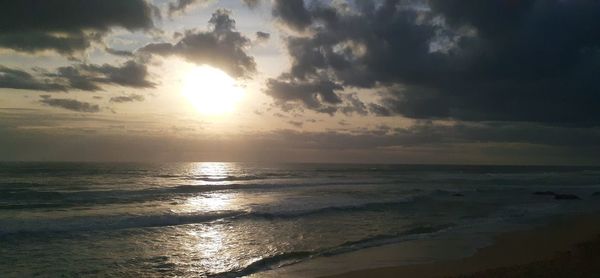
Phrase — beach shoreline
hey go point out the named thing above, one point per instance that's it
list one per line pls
(544, 246)
(548, 248)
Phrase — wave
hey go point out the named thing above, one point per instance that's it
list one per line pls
(30, 198)
(266, 263)
(108, 222)
(373, 206)
(289, 258)
(116, 222)
(242, 177)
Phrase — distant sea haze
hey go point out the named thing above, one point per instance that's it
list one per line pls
(235, 219)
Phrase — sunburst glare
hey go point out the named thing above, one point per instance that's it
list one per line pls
(211, 91)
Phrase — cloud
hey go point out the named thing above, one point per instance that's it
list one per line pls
(181, 5)
(379, 110)
(221, 46)
(68, 26)
(129, 74)
(116, 52)
(468, 60)
(296, 123)
(440, 135)
(262, 36)
(292, 13)
(251, 3)
(64, 136)
(498, 132)
(70, 104)
(18, 79)
(310, 93)
(355, 105)
(86, 77)
(129, 98)
(90, 77)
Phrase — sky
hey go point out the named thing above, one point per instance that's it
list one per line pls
(413, 81)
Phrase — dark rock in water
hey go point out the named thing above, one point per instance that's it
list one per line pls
(458, 195)
(566, 197)
(544, 193)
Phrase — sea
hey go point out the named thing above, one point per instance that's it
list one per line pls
(213, 219)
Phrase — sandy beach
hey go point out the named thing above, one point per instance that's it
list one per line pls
(568, 247)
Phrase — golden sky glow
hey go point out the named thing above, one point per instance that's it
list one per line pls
(312, 77)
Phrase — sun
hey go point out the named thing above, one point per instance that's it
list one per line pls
(211, 91)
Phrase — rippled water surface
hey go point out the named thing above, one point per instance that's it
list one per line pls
(235, 219)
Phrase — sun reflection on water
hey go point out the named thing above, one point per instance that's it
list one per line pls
(212, 173)
(210, 202)
(216, 246)
(210, 246)
(213, 170)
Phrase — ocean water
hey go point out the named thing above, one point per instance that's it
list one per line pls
(237, 219)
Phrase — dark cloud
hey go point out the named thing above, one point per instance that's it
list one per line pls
(440, 135)
(470, 60)
(221, 46)
(75, 79)
(379, 110)
(292, 13)
(181, 5)
(296, 123)
(499, 132)
(343, 123)
(262, 36)
(311, 93)
(90, 77)
(68, 26)
(116, 52)
(130, 74)
(86, 77)
(37, 41)
(129, 98)
(70, 104)
(354, 105)
(318, 95)
(251, 3)
(18, 79)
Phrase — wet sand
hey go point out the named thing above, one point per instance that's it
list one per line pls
(568, 247)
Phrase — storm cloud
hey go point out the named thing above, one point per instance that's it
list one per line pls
(533, 61)
(221, 46)
(68, 26)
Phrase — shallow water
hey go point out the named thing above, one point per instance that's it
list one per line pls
(235, 219)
